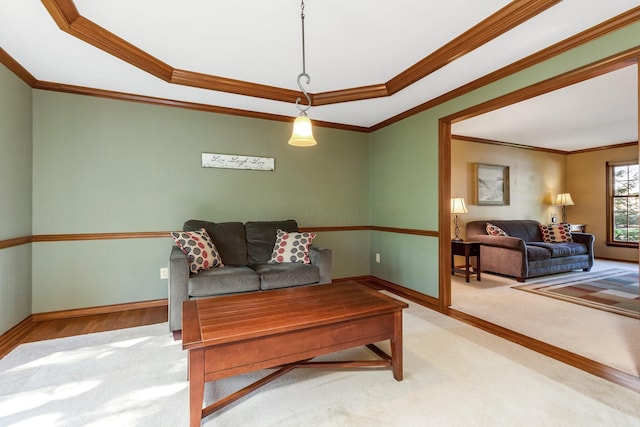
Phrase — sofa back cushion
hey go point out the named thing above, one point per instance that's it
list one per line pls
(228, 237)
(261, 237)
(525, 229)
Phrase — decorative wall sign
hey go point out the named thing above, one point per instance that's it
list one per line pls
(233, 161)
(492, 184)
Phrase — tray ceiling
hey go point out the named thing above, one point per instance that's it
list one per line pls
(369, 61)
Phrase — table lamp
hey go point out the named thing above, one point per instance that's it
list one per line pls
(564, 200)
(458, 207)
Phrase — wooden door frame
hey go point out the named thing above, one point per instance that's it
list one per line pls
(598, 68)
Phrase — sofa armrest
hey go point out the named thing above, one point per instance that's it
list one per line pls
(506, 242)
(588, 240)
(323, 259)
(504, 255)
(178, 286)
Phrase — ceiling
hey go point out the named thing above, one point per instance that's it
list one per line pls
(597, 112)
(369, 61)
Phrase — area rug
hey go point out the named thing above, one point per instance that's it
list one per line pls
(454, 375)
(614, 290)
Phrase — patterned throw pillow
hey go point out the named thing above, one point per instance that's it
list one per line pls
(555, 233)
(199, 248)
(291, 247)
(494, 230)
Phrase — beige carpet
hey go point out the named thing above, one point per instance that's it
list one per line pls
(455, 375)
(608, 338)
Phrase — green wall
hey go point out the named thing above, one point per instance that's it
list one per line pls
(15, 198)
(404, 166)
(112, 166)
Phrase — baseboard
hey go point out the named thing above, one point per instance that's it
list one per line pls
(630, 261)
(351, 279)
(14, 336)
(104, 309)
(583, 363)
(410, 294)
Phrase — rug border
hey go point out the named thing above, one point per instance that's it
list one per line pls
(528, 287)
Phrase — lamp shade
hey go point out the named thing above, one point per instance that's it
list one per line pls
(302, 132)
(458, 206)
(564, 199)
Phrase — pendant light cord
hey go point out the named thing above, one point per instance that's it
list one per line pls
(304, 68)
(303, 110)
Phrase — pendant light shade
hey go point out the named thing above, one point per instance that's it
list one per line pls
(302, 132)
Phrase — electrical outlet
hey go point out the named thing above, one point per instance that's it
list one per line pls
(378, 258)
(164, 273)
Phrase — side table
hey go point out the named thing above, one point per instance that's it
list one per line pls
(580, 228)
(466, 249)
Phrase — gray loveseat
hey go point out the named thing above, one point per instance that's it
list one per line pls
(245, 250)
(524, 254)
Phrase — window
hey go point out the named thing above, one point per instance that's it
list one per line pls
(623, 204)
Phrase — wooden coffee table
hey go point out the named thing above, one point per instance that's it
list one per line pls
(285, 329)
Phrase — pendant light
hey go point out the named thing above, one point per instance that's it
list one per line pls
(302, 135)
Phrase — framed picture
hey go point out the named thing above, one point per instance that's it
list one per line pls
(492, 184)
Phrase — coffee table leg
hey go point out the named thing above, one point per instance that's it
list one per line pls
(396, 346)
(196, 386)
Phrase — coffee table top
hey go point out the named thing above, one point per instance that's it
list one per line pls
(213, 321)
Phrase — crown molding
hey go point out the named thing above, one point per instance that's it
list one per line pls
(122, 96)
(506, 144)
(602, 29)
(612, 63)
(65, 15)
(507, 18)
(17, 69)
(606, 147)
(545, 150)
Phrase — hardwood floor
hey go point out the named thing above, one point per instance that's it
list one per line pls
(30, 330)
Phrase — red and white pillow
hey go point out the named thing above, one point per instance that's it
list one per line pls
(200, 250)
(291, 247)
(494, 230)
(556, 233)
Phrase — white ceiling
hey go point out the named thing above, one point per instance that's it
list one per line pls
(593, 113)
(348, 44)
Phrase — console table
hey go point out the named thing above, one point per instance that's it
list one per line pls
(467, 250)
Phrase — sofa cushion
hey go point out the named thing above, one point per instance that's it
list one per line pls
(273, 276)
(229, 238)
(558, 250)
(261, 237)
(494, 230)
(223, 280)
(525, 229)
(200, 250)
(536, 253)
(556, 233)
(291, 247)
